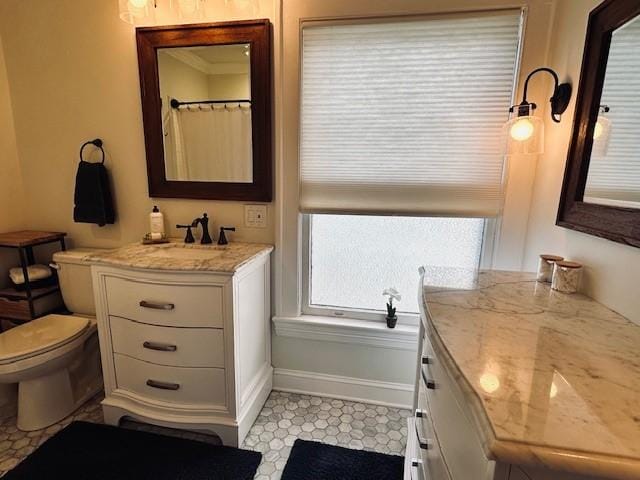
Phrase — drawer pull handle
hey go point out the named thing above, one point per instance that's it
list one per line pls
(157, 306)
(424, 443)
(430, 384)
(415, 465)
(163, 385)
(160, 347)
(427, 360)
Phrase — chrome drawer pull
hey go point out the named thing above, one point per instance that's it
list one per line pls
(157, 306)
(424, 443)
(430, 384)
(161, 347)
(163, 385)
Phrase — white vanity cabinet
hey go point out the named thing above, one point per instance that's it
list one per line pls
(185, 349)
(443, 442)
(460, 404)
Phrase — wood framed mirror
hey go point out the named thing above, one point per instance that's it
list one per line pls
(601, 188)
(206, 105)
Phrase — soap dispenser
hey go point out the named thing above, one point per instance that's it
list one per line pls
(156, 220)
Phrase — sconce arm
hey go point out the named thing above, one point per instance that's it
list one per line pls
(561, 93)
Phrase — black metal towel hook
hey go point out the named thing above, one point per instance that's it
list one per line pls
(96, 143)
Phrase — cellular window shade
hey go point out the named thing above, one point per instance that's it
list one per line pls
(615, 175)
(406, 116)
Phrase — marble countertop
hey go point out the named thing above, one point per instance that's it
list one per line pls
(178, 256)
(551, 379)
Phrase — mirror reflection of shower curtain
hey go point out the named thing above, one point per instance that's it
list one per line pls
(211, 143)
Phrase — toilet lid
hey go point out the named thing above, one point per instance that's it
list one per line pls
(41, 334)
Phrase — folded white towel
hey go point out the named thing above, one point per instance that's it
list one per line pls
(35, 272)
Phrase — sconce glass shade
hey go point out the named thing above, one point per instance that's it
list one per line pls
(601, 136)
(524, 135)
(137, 12)
(243, 6)
(188, 9)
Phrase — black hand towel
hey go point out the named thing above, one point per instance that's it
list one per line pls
(93, 202)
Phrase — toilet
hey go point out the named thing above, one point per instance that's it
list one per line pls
(55, 359)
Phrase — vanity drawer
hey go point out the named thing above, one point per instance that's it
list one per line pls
(429, 448)
(413, 469)
(177, 385)
(461, 447)
(180, 347)
(165, 304)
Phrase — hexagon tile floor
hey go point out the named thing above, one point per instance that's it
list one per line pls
(284, 418)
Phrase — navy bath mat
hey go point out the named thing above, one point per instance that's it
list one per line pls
(317, 461)
(88, 451)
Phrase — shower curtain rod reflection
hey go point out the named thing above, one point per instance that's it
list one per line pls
(176, 104)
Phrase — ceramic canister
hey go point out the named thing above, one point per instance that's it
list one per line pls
(566, 276)
(545, 267)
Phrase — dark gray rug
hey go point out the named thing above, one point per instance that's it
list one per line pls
(317, 461)
(84, 451)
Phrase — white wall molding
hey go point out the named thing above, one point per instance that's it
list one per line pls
(343, 330)
(345, 388)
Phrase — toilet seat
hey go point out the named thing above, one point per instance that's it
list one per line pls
(40, 335)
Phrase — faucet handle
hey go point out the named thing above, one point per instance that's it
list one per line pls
(222, 239)
(189, 237)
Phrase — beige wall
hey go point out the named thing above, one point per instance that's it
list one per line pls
(179, 80)
(230, 87)
(12, 200)
(73, 73)
(613, 270)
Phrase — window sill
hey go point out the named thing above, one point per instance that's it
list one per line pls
(346, 330)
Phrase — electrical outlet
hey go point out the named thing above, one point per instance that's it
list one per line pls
(255, 216)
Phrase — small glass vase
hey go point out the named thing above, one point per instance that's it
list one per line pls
(391, 321)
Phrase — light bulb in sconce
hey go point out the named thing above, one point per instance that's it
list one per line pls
(187, 9)
(524, 132)
(137, 12)
(601, 131)
(597, 131)
(522, 129)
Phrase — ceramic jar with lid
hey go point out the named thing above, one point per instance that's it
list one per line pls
(545, 267)
(566, 276)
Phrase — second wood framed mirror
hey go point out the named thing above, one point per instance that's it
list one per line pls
(601, 189)
(206, 101)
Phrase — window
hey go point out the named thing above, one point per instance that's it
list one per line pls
(401, 154)
(353, 258)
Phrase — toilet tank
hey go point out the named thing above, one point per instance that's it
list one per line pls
(74, 273)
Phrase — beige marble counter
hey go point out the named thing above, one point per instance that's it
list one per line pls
(178, 256)
(551, 379)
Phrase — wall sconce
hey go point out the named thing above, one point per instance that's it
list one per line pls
(601, 132)
(188, 9)
(137, 12)
(524, 131)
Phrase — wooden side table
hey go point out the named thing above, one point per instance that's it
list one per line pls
(22, 306)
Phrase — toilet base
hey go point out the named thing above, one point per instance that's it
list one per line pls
(54, 389)
(45, 401)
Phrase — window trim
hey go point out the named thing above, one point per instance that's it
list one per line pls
(486, 260)
(511, 226)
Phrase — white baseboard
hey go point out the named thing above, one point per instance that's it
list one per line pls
(345, 388)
